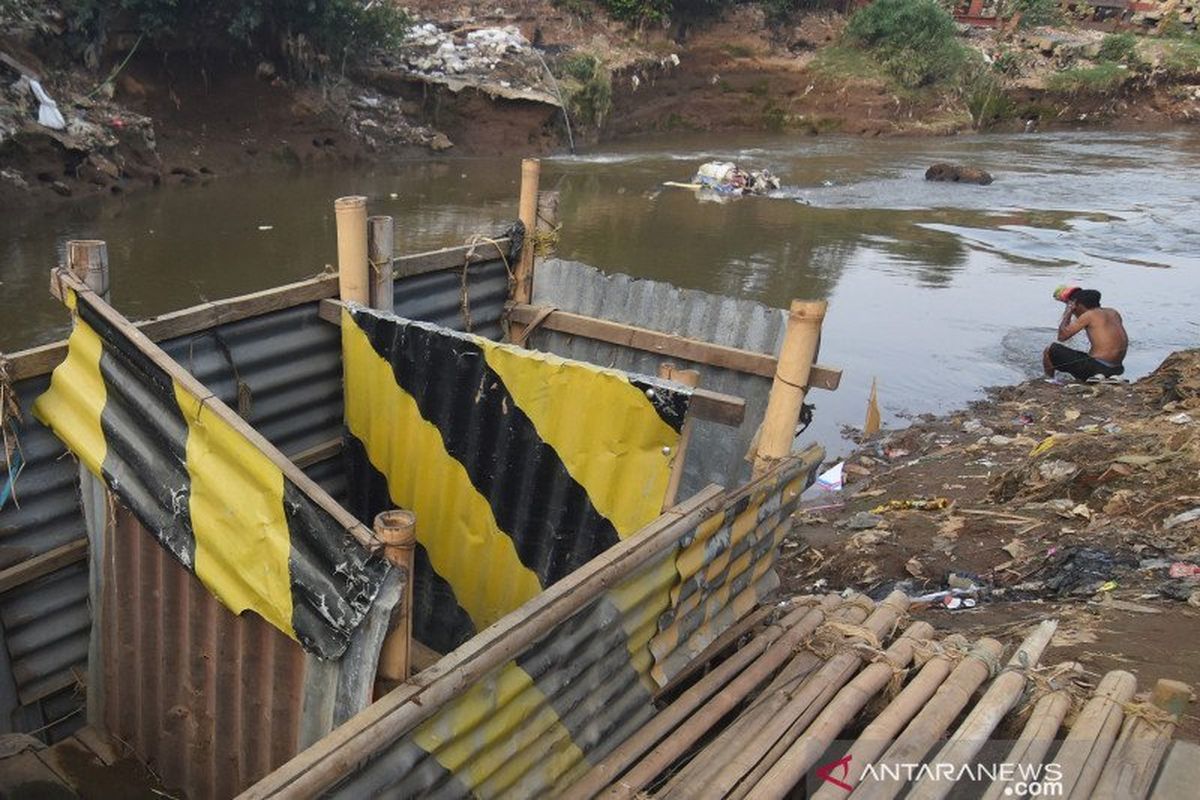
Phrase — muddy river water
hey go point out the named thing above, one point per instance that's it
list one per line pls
(936, 290)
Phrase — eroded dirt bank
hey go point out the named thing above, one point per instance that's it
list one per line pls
(1078, 502)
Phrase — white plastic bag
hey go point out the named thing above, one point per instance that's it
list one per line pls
(48, 114)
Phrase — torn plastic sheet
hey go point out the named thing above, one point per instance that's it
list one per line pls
(831, 479)
(15, 465)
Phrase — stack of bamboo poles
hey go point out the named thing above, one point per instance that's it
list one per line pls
(797, 683)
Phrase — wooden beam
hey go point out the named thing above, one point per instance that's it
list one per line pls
(215, 405)
(43, 564)
(724, 409)
(668, 344)
(44, 358)
(317, 453)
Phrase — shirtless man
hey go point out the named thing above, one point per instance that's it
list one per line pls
(1105, 332)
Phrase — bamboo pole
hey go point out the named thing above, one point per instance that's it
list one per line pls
(772, 739)
(1035, 741)
(396, 529)
(796, 358)
(353, 269)
(928, 726)
(685, 736)
(87, 259)
(1143, 742)
(381, 253)
(691, 378)
(886, 726)
(637, 745)
(704, 767)
(527, 213)
(996, 702)
(802, 754)
(1087, 744)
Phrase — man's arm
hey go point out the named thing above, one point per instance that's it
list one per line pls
(1068, 327)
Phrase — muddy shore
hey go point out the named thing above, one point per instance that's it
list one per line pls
(1078, 502)
(183, 118)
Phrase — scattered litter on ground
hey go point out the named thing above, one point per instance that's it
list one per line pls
(831, 479)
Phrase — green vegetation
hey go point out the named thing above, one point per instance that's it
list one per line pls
(984, 95)
(334, 28)
(1104, 78)
(1120, 48)
(587, 84)
(1037, 12)
(914, 40)
(1181, 58)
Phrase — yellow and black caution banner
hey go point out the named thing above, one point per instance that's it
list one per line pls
(213, 499)
(520, 466)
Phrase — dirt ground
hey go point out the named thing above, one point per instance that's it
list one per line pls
(1078, 502)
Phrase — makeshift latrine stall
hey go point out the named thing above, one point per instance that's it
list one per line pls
(231, 602)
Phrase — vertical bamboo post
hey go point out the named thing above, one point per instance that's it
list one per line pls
(527, 212)
(381, 253)
(396, 529)
(688, 377)
(353, 268)
(87, 260)
(1139, 750)
(791, 382)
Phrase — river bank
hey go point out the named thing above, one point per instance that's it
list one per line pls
(1080, 502)
(149, 118)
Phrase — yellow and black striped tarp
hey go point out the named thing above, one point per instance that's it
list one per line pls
(520, 466)
(213, 499)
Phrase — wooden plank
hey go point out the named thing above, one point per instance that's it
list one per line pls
(104, 748)
(724, 409)
(452, 257)
(27, 776)
(217, 406)
(44, 358)
(43, 564)
(667, 344)
(317, 453)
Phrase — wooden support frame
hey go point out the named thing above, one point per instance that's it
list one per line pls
(724, 409)
(30, 569)
(666, 344)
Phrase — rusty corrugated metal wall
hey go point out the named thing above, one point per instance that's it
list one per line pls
(209, 699)
(532, 726)
(717, 453)
(289, 365)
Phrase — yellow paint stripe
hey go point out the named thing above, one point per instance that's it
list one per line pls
(621, 456)
(243, 544)
(72, 406)
(489, 729)
(455, 523)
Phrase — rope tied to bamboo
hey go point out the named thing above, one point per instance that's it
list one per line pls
(1150, 714)
(856, 601)
(953, 648)
(832, 637)
(544, 242)
(464, 298)
(1045, 679)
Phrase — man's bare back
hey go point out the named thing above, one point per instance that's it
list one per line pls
(1107, 339)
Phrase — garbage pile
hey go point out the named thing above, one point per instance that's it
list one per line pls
(429, 50)
(726, 177)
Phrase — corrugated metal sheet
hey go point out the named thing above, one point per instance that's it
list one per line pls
(519, 466)
(210, 700)
(533, 725)
(290, 364)
(256, 538)
(43, 643)
(716, 453)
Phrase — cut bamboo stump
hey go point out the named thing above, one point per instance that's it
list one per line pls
(777, 733)
(704, 767)
(1087, 744)
(800, 757)
(637, 745)
(381, 255)
(353, 265)
(997, 701)
(1036, 739)
(928, 726)
(1139, 750)
(882, 730)
(396, 529)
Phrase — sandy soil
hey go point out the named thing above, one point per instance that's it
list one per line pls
(1051, 501)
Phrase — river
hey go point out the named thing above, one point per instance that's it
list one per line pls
(935, 290)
